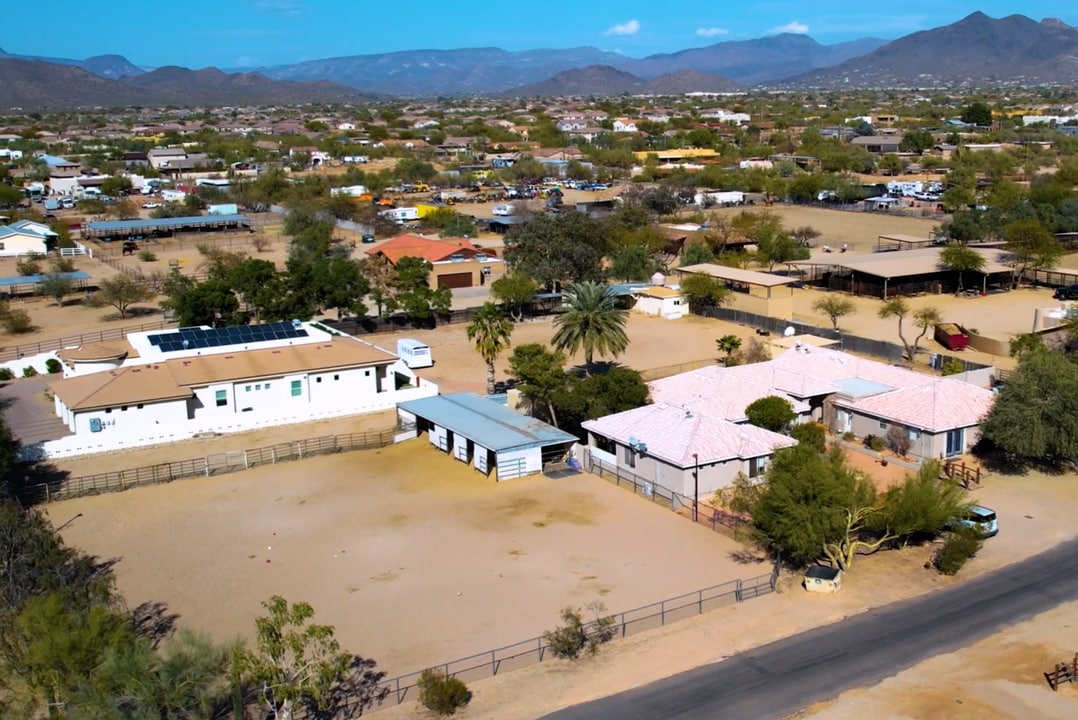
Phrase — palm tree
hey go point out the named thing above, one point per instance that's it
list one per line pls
(491, 330)
(728, 344)
(592, 321)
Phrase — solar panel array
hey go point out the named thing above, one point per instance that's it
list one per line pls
(196, 338)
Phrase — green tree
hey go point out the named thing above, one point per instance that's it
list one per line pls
(921, 505)
(491, 331)
(776, 246)
(892, 164)
(1034, 419)
(116, 186)
(728, 344)
(298, 663)
(211, 302)
(564, 248)
(57, 286)
(632, 263)
(514, 291)
(413, 293)
(961, 259)
(916, 141)
(834, 307)
(696, 255)
(595, 396)
(772, 413)
(1033, 246)
(924, 318)
(591, 321)
(703, 290)
(977, 113)
(541, 377)
(123, 291)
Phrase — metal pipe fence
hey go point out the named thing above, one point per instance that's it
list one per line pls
(43, 346)
(626, 623)
(214, 464)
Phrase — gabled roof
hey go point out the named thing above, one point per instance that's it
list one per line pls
(486, 422)
(937, 406)
(428, 249)
(684, 438)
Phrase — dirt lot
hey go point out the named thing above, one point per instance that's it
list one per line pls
(999, 677)
(415, 558)
(1035, 513)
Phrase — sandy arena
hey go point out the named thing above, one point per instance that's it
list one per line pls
(415, 558)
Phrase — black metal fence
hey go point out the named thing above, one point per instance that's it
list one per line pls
(27, 349)
(215, 464)
(882, 349)
(537, 649)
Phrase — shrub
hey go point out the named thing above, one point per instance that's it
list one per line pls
(53, 366)
(874, 442)
(6, 374)
(811, 433)
(898, 440)
(960, 546)
(261, 243)
(574, 637)
(16, 322)
(953, 367)
(63, 264)
(147, 255)
(771, 413)
(442, 694)
(29, 265)
(29, 371)
(848, 436)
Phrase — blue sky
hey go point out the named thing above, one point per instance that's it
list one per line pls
(252, 33)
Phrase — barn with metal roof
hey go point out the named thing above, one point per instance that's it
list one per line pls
(486, 434)
(109, 230)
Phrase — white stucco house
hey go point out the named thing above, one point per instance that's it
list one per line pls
(172, 385)
(696, 429)
(661, 302)
(624, 125)
(26, 237)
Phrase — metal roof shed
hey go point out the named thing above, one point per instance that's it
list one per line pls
(485, 434)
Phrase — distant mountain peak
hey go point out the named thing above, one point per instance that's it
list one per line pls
(1057, 23)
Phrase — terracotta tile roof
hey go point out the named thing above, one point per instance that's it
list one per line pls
(429, 249)
(675, 435)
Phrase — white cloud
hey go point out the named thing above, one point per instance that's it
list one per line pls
(795, 27)
(630, 28)
(712, 32)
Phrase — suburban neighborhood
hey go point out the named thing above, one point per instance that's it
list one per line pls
(689, 371)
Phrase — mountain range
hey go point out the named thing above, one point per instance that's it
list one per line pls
(976, 50)
(45, 85)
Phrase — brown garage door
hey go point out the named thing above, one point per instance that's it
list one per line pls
(455, 280)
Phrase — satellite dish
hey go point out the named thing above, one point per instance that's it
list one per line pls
(789, 331)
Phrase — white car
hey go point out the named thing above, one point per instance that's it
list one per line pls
(150, 206)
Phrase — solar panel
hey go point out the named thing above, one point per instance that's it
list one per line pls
(155, 340)
(196, 338)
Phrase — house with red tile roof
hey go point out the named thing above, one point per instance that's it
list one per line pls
(455, 262)
(696, 435)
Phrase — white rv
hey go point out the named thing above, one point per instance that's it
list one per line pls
(401, 215)
(415, 354)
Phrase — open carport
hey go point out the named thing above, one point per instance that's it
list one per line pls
(486, 434)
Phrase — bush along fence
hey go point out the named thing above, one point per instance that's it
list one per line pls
(888, 351)
(216, 464)
(536, 650)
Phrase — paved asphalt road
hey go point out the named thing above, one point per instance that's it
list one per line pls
(776, 680)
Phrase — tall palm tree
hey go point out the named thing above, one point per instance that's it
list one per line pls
(491, 330)
(593, 321)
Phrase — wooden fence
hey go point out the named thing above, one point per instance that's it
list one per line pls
(215, 464)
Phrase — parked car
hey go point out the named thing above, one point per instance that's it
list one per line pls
(151, 205)
(1067, 292)
(979, 517)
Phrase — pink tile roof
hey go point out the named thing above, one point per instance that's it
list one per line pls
(937, 405)
(675, 435)
(718, 392)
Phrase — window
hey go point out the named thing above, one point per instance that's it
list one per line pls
(108, 410)
(915, 435)
(366, 373)
(630, 457)
(297, 388)
(139, 406)
(123, 408)
(336, 377)
(318, 379)
(221, 396)
(247, 388)
(883, 424)
(258, 386)
(267, 386)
